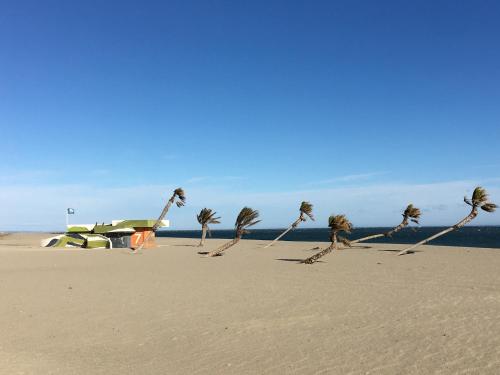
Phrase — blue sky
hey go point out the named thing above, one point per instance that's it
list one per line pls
(358, 106)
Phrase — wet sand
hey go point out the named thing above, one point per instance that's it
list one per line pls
(251, 311)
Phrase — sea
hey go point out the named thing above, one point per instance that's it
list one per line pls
(471, 236)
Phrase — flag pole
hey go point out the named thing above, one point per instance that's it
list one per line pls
(69, 211)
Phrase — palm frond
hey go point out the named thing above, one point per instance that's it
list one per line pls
(207, 216)
(181, 197)
(479, 196)
(480, 199)
(339, 223)
(246, 218)
(489, 207)
(412, 213)
(306, 209)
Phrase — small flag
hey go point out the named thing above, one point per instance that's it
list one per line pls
(71, 211)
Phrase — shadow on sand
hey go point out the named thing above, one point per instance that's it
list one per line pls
(397, 251)
(345, 248)
(297, 260)
(206, 252)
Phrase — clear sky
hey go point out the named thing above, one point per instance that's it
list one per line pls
(357, 106)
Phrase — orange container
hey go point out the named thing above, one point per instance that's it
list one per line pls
(139, 236)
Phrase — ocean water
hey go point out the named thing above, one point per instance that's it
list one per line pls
(471, 236)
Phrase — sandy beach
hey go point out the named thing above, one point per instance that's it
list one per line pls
(251, 311)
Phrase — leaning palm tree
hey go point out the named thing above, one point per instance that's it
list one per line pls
(305, 211)
(479, 200)
(410, 214)
(337, 223)
(246, 218)
(205, 217)
(179, 198)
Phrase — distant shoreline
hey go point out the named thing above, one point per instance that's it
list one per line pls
(313, 228)
(275, 228)
(471, 236)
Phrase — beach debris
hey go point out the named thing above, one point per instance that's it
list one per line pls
(205, 217)
(305, 212)
(179, 198)
(478, 200)
(410, 214)
(337, 223)
(246, 218)
(118, 234)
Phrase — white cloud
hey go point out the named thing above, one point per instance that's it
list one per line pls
(43, 207)
(26, 176)
(196, 179)
(349, 178)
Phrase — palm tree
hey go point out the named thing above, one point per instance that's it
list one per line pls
(410, 214)
(305, 211)
(337, 223)
(479, 200)
(246, 218)
(205, 217)
(179, 198)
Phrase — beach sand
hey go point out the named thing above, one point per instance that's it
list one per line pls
(251, 311)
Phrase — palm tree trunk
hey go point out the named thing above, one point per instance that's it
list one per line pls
(322, 253)
(460, 224)
(293, 226)
(158, 221)
(203, 235)
(368, 238)
(224, 247)
(403, 224)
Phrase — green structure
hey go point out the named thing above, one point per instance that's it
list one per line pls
(118, 234)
